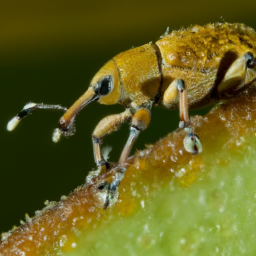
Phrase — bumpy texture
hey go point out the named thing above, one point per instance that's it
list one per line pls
(202, 55)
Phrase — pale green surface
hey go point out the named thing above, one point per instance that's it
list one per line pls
(214, 216)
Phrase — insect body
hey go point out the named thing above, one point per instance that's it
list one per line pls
(186, 68)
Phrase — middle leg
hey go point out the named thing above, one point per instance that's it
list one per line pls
(106, 126)
(140, 122)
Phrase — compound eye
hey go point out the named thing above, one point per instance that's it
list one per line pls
(105, 85)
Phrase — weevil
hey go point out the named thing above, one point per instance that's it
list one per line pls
(185, 69)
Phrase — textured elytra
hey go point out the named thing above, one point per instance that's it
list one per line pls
(211, 62)
(201, 55)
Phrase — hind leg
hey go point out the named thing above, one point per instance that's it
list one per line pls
(177, 90)
(241, 73)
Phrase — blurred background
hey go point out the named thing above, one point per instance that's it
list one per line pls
(49, 51)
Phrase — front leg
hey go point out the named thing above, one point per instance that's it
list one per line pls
(140, 122)
(106, 126)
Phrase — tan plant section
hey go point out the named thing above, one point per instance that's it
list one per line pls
(168, 203)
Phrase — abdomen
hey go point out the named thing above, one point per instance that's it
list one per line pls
(201, 55)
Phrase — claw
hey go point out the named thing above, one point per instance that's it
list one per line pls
(104, 163)
(192, 143)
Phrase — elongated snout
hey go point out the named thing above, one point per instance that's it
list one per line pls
(66, 122)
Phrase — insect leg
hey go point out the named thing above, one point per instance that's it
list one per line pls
(241, 72)
(191, 142)
(140, 122)
(29, 109)
(106, 126)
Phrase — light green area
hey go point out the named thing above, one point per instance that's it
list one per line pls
(214, 216)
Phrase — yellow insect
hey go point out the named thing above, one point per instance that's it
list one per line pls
(186, 68)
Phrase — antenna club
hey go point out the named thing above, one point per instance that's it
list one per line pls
(56, 135)
(30, 105)
(13, 123)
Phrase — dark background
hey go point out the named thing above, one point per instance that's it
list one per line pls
(49, 51)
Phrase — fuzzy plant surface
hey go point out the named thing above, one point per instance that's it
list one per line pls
(165, 202)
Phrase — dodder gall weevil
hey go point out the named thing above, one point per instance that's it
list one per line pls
(184, 69)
